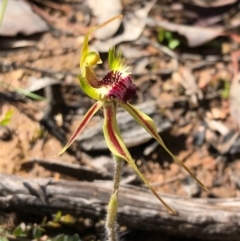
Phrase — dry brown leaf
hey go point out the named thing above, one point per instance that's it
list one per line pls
(134, 24)
(235, 99)
(185, 77)
(104, 10)
(38, 84)
(195, 35)
(19, 18)
(213, 3)
(62, 23)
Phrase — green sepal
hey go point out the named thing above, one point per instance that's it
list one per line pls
(118, 148)
(148, 124)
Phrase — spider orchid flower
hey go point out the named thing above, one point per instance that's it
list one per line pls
(116, 88)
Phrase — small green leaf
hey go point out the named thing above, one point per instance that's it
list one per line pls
(7, 118)
(4, 239)
(59, 237)
(58, 216)
(43, 221)
(19, 231)
(53, 224)
(67, 219)
(3, 9)
(161, 34)
(168, 35)
(76, 237)
(4, 122)
(37, 232)
(225, 92)
(173, 43)
(29, 94)
(3, 232)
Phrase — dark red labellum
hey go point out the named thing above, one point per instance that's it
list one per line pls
(121, 87)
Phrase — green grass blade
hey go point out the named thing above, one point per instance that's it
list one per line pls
(3, 9)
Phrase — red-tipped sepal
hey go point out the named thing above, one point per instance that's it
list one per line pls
(117, 147)
(148, 124)
(83, 123)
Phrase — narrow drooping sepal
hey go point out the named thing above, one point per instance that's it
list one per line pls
(87, 117)
(148, 124)
(118, 148)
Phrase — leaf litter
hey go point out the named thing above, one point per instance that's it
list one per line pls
(199, 130)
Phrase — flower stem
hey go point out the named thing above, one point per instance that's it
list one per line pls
(117, 173)
(111, 224)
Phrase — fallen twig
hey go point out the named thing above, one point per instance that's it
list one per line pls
(207, 219)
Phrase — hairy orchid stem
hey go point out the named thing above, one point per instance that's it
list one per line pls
(117, 173)
(111, 223)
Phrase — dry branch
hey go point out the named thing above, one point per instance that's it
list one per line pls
(208, 219)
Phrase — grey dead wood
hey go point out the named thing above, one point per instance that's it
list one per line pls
(208, 219)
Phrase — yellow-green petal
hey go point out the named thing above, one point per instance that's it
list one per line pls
(118, 148)
(94, 93)
(148, 124)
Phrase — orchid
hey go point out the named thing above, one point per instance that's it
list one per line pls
(114, 89)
